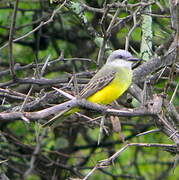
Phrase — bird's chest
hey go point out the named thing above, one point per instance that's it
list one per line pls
(114, 89)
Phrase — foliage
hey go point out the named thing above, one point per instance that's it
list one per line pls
(71, 41)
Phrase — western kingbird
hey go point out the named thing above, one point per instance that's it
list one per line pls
(110, 82)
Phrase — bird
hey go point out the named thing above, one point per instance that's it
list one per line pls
(109, 83)
(112, 80)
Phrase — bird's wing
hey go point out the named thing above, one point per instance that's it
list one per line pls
(98, 82)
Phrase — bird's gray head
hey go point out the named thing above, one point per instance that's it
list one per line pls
(121, 54)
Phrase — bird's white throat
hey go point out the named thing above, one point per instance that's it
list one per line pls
(121, 63)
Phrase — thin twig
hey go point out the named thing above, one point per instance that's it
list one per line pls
(26, 98)
(105, 38)
(174, 93)
(45, 65)
(69, 96)
(10, 42)
(148, 132)
(132, 29)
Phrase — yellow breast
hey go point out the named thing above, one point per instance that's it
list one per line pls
(114, 89)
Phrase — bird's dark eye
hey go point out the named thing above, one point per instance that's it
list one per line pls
(119, 56)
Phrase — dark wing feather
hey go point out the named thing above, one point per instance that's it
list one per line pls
(98, 82)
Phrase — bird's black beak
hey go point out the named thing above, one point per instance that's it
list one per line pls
(133, 59)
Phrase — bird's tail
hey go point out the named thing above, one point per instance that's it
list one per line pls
(60, 116)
